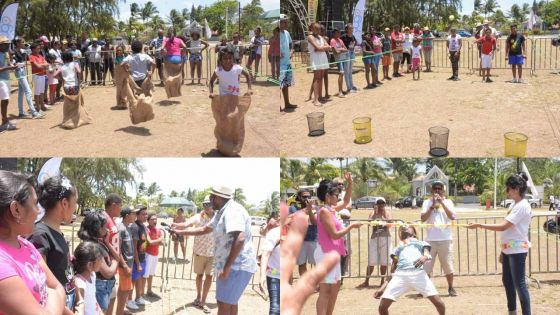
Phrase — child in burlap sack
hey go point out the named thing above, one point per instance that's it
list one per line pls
(74, 112)
(228, 108)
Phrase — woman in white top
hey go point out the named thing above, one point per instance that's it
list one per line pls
(256, 52)
(319, 62)
(515, 243)
(194, 46)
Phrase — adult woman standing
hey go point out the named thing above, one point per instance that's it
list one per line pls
(59, 198)
(319, 62)
(330, 234)
(515, 243)
(27, 286)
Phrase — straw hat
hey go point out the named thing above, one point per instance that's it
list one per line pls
(222, 191)
(387, 29)
(4, 40)
(139, 208)
(426, 28)
(206, 199)
(406, 29)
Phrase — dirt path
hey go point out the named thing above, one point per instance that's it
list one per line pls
(183, 126)
(402, 110)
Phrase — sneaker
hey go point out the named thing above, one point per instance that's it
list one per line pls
(141, 301)
(355, 88)
(452, 292)
(519, 80)
(456, 79)
(38, 115)
(8, 127)
(451, 78)
(353, 91)
(24, 116)
(514, 80)
(341, 95)
(488, 80)
(131, 305)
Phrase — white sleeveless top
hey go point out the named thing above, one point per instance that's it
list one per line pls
(319, 60)
(195, 46)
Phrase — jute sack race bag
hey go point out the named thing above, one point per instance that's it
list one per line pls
(229, 112)
(121, 81)
(173, 79)
(74, 112)
(139, 106)
(147, 87)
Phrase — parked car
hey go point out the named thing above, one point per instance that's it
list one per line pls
(534, 202)
(364, 202)
(258, 220)
(406, 202)
(464, 33)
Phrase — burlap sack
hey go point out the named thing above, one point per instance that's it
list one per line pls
(139, 106)
(74, 112)
(173, 79)
(229, 112)
(121, 81)
(147, 87)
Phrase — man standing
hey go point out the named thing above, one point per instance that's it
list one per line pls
(139, 238)
(551, 206)
(427, 44)
(286, 51)
(94, 57)
(397, 40)
(235, 258)
(350, 42)
(454, 45)
(440, 210)
(310, 240)
(487, 47)
(203, 250)
(156, 46)
(516, 52)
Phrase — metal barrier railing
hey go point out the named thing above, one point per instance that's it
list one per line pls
(476, 251)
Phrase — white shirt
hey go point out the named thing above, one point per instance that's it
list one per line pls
(272, 245)
(520, 216)
(94, 53)
(258, 41)
(407, 45)
(416, 51)
(551, 198)
(438, 216)
(138, 65)
(454, 42)
(69, 71)
(90, 302)
(229, 80)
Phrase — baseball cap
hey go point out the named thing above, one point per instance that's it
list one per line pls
(139, 208)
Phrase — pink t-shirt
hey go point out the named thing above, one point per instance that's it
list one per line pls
(24, 263)
(376, 41)
(173, 47)
(327, 244)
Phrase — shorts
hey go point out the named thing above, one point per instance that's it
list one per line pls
(427, 55)
(203, 265)
(378, 251)
(52, 88)
(103, 292)
(178, 238)
(415, 64)
(135, 274)
(445, 251)
(340, 66)
(139, 82)
(175, 59)
(485, 61)
(386, 60)
(229, 291)
(151, 266)
(286, 76)
(397, 57)
(375, 61)
(195, 57)
(38, 84)
(405, 281)
(368, 60)
(125, 281)
(335, 274)
(306, 255)
(515, 60)
(4, 90)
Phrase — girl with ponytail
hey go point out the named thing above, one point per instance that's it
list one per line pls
(87, 260)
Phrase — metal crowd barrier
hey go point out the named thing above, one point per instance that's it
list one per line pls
(476, 252)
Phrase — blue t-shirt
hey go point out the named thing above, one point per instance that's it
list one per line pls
(285, 42)
(407, 254)
(311, 234)
(4, 75)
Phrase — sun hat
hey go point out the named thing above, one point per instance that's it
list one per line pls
(139, 208)
(222, 191)
(380, 200)
(206, 199)
(4, 40)
(426, 28)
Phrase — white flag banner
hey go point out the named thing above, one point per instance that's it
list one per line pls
(50, 168)
(358, 20)
(208, 30)
(8, 21)
(531, 21)
(530, 183)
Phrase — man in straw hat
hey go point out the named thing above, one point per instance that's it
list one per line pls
(234, 256)
(440, 210)
(203, 250)
(286, 52)
(427, 44)
(5, 69)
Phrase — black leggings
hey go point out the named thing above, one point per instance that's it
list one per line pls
(406, 56)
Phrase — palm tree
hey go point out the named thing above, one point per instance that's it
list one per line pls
(489, 7)
(186, 14)
(134, 10)
(516, 14)
(176, 19)
(477, 5)
(147, 11)
(157, 23)
(152, 190)
(272, 202)
(312, 174)
(239, 197)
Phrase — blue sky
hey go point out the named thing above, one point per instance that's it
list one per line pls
(164, 6)
(505, 5)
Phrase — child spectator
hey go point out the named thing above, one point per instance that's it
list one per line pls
(341, 57)
(386, 61)
(87, 261)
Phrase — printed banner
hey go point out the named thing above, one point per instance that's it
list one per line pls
(8, 22)
(358, 20)
(312, 10)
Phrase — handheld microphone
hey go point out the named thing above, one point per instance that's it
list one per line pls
(166, 227)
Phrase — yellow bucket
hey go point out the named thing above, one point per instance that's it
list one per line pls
(362, 129)
(515, 144)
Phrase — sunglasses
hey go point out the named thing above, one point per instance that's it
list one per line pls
(206, 204)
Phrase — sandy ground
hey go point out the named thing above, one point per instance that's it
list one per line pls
(467, 260)
(183, 126)
(402, 111)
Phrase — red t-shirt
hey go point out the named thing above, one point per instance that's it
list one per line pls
(487, 44)
(154, 233)
(114, 236)
(37, 60)
(397, 47)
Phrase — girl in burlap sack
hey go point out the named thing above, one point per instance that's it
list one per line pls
(228, 108)
(120, 74)
(74, 112)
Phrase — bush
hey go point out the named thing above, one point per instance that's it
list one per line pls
(536, 31)
(487, 194)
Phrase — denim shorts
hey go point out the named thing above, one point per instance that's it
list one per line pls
(135, 274)
(368, 60)
(174, 59)
(103, 289)
(229, 291)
